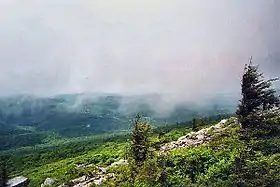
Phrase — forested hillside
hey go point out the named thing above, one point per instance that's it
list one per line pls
(28, 120)
(141, 93)
(213, 148)
(218, 150)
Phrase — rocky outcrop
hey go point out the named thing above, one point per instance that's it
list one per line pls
(20, 181)
(190, 140)
(97, 179)
(197, 138)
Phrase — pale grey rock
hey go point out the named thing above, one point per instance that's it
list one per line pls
(48, 182)
(98, 179)
(20, 181)
(197, 138)
(120, 162)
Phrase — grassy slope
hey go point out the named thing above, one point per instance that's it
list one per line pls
(58, 158)
(37, 160)
(64, 170)
(212, 163)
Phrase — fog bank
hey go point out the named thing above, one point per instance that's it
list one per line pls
(189, 49)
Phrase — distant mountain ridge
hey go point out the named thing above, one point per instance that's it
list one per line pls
(37, 111)
(37, 119)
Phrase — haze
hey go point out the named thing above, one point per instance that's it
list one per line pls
(191, 48)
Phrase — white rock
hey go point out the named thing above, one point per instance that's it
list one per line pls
(196, 138)
(120, 162)
(223, 121)
(48, 182)
(200, 137)
(18, 182)
(182, 138)
(80, 179)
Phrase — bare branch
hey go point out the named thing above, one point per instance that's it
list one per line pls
(273, 79)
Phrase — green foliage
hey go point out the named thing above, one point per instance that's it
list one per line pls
(140, 146)
(21, 140)
(267, 146)
(3, 173)
(31, 157)
(66, 169)
(200, 165)
(257, 99)
(89, 171)
(58, 159)
(258, 171)
(258, 113)
(198, 123)
(225, 161)
(194, 124)
(33, 118)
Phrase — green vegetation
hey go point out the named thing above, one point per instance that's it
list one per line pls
(140, 141)
(246, 155)
(258, 100)
(241, 154)
(28, 120)
(209, 164)
(3, 173)
(32, 157)
(225, 161)
(66, 169)
(59, 159)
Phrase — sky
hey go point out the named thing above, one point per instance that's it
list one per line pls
(186, 47)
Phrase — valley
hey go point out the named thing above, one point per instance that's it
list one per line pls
(29, 121)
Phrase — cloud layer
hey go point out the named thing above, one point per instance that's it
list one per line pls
(192, 48)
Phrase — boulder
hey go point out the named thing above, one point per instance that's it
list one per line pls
(48, 182)
(223, 121)
(120, 162)
(97, 179)
(80, 179)
(197, 138)
(20, 181)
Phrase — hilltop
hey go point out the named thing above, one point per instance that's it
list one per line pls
(101, 174)
(198, 158)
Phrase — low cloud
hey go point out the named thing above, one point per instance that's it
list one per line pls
(187, 49)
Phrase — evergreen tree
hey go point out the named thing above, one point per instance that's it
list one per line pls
(194, 124)
(3, 174)
(257, 98)
(140, 147)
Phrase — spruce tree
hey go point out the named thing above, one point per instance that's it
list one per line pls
(258, 98)
(140, 146)
(194, 124)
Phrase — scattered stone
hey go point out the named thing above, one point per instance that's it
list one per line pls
(80, 179)
(197, 138)
(223, 121)
(20, 181)
(98, 179)
(80, 167)
(120, 162)
(189, 140)
(48, 182)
